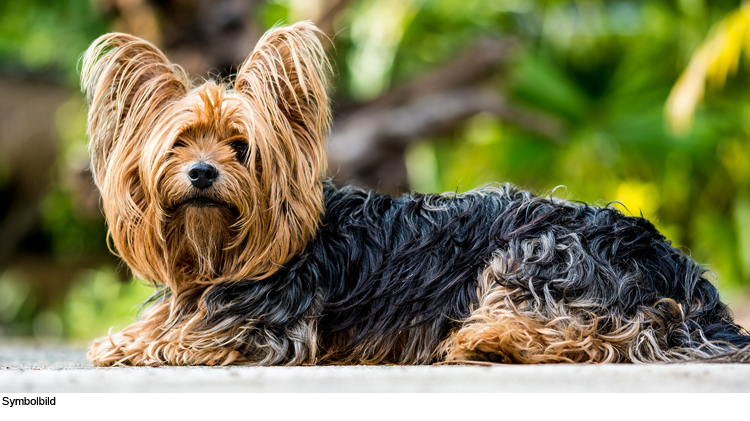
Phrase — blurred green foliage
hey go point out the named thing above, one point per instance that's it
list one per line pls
(48, 36)
(603, 68)
(606, 69)
(97, 301)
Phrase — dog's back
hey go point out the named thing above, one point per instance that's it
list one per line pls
(499, 274)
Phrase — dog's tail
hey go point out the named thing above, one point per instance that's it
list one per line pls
(707, 334)
(733, 340)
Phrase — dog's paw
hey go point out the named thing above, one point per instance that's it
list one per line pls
(118, 350)
(105, 352)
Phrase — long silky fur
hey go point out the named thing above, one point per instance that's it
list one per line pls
(140, 106)
(277, 266)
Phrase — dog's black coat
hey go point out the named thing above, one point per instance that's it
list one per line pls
(381, 265)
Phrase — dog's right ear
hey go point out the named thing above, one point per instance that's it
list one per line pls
(127, 82)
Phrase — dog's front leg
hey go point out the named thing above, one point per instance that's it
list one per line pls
(154, 341)
(122, 348)
(132, 347)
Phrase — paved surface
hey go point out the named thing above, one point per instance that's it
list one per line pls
(29, 369)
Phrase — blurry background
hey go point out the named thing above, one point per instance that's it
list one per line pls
(642, 102)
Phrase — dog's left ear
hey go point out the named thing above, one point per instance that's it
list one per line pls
(286, 75)
(285, 78)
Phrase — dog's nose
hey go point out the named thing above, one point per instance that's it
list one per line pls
(202, 175)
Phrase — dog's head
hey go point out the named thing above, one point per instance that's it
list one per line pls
(219, 181)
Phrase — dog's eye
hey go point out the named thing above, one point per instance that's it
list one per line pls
(240, 150)
(179, 143)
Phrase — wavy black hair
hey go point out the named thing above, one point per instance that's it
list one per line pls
(493, 274)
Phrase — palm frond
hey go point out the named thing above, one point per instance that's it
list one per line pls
(713, 62)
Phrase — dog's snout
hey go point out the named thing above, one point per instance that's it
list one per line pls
(202, 175)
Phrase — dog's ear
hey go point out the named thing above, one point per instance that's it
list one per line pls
(286, 75)
(285, 80)
(127, 82)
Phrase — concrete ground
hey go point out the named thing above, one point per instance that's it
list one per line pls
(55, 369)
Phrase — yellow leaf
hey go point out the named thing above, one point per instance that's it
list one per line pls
(715, 60)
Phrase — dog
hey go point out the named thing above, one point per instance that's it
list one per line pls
(217, 195)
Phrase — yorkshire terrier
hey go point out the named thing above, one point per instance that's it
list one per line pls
(217, 195)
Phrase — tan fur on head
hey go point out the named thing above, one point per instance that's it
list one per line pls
(265, 136)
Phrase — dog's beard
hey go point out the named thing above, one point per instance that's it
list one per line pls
(197, 238)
